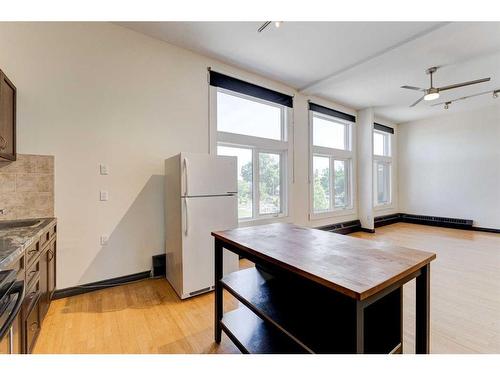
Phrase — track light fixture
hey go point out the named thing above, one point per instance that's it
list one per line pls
(262, 27)
(495, 94)
(447, 105)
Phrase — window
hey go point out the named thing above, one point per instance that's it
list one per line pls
(381, 143)
(255, 131)
(331, 182)
(383, 182)
(382, 166)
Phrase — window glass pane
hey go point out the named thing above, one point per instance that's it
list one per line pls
(383, 174)
(321, 179)
(269, 183)
(328, 133)
(340, 181)
(381, 144)
(245, 193)
(247, 117)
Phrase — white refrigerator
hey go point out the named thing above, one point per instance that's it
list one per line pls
(200, 197)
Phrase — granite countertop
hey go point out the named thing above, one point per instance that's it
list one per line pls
(13, 241)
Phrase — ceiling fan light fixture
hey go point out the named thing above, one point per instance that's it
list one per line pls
(431, 94)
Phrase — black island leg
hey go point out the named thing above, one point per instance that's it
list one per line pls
(422, 323)
(218, 290)
(360, 327)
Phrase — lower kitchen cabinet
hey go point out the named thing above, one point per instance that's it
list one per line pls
(32, 325)
(37, 268)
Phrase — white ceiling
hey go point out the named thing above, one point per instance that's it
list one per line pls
(358, 64)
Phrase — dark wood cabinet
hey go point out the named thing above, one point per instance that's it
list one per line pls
(37, 268)
(51, 269)
(44, 286)
(7, 119)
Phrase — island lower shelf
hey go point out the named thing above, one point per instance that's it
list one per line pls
(289, 315)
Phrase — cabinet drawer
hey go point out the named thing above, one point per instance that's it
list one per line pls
(32, 252)
(44, 238)
(32, 294)
(33, 273)
(32, 327)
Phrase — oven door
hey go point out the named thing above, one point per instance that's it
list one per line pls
(10, 306)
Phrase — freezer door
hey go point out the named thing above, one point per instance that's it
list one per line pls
(204, 175)
(201, 216)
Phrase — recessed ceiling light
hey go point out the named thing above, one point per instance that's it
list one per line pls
(277, 23)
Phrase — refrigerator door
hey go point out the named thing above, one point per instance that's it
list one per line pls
(204, 175)
(201, 216)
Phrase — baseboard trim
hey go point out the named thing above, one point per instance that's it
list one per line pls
(366, 230)
(489, 230)
(98, 285)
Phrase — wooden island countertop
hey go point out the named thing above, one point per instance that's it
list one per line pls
(355, 267)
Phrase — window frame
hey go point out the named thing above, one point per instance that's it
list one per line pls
(388, 160)
(258, 145)
(348, 156)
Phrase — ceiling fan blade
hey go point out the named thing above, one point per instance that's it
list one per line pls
(463, 84)
(418, 101)
(412, 88)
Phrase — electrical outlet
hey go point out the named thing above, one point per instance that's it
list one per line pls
(103, 169)
(103, 195)
(104, 240)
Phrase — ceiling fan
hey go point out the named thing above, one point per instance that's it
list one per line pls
(432, 92)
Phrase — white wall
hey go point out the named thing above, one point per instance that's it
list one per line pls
(93, 93)
(450, 166)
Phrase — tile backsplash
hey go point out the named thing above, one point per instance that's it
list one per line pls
(27, 187)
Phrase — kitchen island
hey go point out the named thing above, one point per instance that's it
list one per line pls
(318, 292)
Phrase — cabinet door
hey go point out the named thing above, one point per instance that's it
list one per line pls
(51, 270)
(7, 118)
(44, 303)
(4, 345)
(32, 327)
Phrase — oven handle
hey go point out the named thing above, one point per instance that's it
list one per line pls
(18, 288)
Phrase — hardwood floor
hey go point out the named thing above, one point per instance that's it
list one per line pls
(148, 317)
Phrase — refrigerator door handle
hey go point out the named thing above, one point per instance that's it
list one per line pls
(186, 177)
(186, 222)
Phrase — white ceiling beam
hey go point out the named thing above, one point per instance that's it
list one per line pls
(310, 87)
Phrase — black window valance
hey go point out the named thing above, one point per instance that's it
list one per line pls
(331, 112)
(234, 84)
(383, 128)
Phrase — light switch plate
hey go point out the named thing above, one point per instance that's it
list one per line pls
(103, 168)
(103, 195)
(104, 240)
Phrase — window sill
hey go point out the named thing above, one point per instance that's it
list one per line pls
(264, 220)
(384, 207)
(329, 214)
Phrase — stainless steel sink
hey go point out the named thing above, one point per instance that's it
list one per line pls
(19, 224)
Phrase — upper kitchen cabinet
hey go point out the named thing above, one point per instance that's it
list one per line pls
(7, 119)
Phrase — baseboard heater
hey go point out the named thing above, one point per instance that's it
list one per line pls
(343, 228)
(447, 222)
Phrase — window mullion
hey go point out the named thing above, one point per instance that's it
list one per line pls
(256, 183)
(332, 183)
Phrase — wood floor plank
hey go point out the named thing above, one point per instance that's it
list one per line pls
(148, 317)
